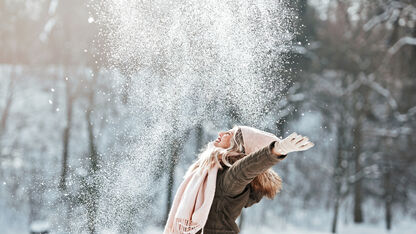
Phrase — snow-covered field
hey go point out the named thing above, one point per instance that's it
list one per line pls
(406, 227)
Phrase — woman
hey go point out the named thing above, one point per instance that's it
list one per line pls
(233, 172)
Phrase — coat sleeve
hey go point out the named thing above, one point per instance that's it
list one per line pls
(242, 172)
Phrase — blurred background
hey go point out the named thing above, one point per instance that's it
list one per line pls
(104, 105)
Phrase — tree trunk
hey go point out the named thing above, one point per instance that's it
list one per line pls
(387, 184)
(66, 135)
(335, 217)
(357, 145)
(358, 213)
(338, 171)
(93, 192)
(388, 198)
(199, 132)
(174, 157)
(9, 100)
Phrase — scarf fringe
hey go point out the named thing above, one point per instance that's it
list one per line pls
(184, 226)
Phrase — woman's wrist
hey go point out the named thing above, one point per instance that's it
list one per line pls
(275, 150)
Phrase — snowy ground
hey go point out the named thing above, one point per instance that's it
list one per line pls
(404, 227)
(13, 223)
(353, 229)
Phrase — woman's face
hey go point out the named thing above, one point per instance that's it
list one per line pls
(224, 139)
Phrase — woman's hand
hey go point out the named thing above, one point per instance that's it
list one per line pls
(292, 143)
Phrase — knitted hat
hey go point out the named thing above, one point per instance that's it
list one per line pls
(255, 139)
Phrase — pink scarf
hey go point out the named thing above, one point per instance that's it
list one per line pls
(192, 202)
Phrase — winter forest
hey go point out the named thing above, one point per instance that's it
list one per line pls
(104, 104)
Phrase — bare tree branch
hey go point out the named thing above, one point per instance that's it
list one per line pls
(400, 43)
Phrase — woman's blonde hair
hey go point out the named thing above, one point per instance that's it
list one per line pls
(212, 155)
(267, 183)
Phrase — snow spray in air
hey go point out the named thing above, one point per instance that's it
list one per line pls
(185, 63)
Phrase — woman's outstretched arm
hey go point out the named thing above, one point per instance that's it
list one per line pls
(246, 169)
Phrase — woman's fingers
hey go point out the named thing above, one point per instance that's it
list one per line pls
(306, 146)
(302, 141)
(297, 139)
(292, 136)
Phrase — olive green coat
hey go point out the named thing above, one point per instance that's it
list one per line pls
(233, 190)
